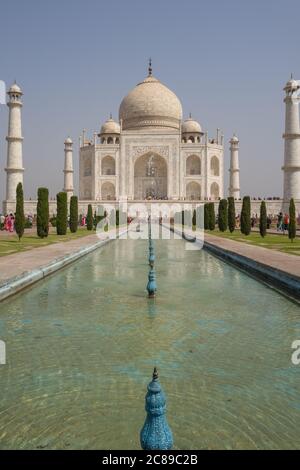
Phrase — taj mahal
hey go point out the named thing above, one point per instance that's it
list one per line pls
(152, 154)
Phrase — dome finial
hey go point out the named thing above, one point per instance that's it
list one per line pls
(110, 115)
(155, 374)
(190, 115)
(292, 76)
(150, 67)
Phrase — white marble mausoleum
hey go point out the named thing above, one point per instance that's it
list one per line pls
(151, 152)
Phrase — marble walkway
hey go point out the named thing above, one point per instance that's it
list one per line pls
(18, 263)
(275, 259)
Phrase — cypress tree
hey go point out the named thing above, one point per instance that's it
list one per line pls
(95, 220)
(212, 217)
(42, 210)
(246, 216)
(200, 217)
(106, 217)
(112, 219)
(206, 216)
(231, 214)
(194, 219)
(177, 218)
(292, 222)
(20, 217)
(62, 213)
(263, 219)
(188, 218)
(222, 215)
(74, 214)
(89, 218)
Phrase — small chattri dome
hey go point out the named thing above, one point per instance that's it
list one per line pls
(292, 85)
(234, 138)
(68, 140)
(110, 127)
(190, 126)
(15, 89)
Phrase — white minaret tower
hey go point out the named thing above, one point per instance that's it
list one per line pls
(14, 169)
(234, 180)
(291, 168)
(68, 168)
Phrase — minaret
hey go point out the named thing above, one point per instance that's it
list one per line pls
(68, 168)
(291, 168)
(14, 169)
(234, 180)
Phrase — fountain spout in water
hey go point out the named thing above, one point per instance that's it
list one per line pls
(156, 433)
(149, 227)
(151, 252)
(151, 256)
(151, 286)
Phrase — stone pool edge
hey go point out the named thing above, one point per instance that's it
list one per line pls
(16, 284)
(287, 284)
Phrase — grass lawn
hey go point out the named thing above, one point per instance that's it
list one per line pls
(10, 243)
(271, 241)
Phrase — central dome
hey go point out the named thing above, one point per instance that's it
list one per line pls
(150, 104)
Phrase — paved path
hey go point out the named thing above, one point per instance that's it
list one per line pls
(19, 263)
(275, 259)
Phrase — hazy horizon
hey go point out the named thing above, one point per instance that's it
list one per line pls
(227, 62)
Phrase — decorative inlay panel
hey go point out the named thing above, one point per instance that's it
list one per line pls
(141, 150)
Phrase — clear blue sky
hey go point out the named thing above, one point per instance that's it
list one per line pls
(75, 60)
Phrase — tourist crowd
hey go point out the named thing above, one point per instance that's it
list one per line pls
(7, 222)
(279, 221)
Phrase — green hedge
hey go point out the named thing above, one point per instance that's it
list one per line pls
(263, 219)
(292, 222)
(231, 214)
(222, 215)
(62, 213)
(211, 216)
(246, 216)
(42, 219)
(20, 217)
(73, 214)
(89, 218)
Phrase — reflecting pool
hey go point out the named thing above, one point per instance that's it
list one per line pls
(82, 344)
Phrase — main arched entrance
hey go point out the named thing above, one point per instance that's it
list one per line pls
(108, 191)
(150, 177)
(193, 191)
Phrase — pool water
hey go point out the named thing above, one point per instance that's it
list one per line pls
(82, 344)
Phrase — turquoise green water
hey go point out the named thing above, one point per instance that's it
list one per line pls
(82, 344)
